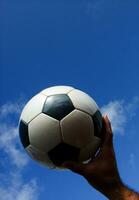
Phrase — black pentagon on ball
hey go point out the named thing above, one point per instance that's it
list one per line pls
(58, 106)
(23, 133)
(97, 120)
(63, 152)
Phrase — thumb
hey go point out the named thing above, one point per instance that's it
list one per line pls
(74, 166)
(107, 132)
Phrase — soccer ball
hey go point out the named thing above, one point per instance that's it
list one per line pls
(60, 124)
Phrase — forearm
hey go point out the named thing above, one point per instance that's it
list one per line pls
(123, 193)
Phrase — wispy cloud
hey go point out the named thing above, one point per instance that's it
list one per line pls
(116, 113)
(10, 108)
(9, 139)
(120, 112)
(12, 185)
(9, 143)
(132, 161)
(95, 8)
(16, 189)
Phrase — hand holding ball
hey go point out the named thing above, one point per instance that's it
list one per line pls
(60, 124)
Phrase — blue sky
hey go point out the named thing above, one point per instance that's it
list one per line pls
(91, 45)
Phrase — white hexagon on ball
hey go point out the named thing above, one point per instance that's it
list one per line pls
(39, 156)
(57, 90)
(77, 128)
(33, 108)
(83, 102)
(44, 132)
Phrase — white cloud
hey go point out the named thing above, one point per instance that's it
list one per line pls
(120, 113)
(12, 185)
(10, 108)
(9, 144)
(116, 113)
(9, 139)
(16, 189)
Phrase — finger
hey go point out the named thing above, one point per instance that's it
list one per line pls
(106, 140)
(94, 157)
(108, 124)
(107, 132)
(74, 166)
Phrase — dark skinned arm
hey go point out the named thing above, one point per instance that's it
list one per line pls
(102, 172)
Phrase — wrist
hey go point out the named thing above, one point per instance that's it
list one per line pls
(115, 190)
(121, 192)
